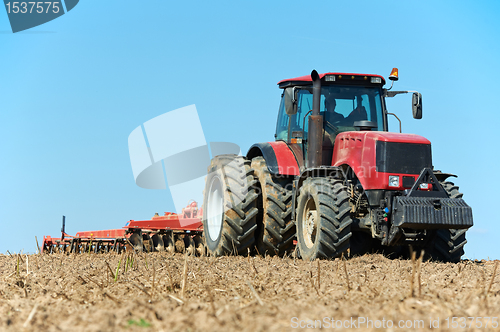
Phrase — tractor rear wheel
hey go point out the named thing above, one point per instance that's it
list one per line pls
(323, 219)
(448, 244)
(229, 201)
(275, 229)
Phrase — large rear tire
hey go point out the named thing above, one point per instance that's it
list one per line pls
(229, 201)
(323, 219)
(448, 244)
(275, 228)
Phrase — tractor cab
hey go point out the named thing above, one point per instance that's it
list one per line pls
(348, 102)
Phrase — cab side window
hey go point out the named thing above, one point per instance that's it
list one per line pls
(304, 105)
(282, 125)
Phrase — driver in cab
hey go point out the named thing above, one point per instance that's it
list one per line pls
(337, 119)
(332, 120)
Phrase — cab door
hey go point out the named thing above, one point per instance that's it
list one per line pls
(292, 128)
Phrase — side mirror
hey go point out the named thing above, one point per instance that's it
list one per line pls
(416, 105)
(290, 101)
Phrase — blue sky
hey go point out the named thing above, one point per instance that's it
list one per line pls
(73, 89)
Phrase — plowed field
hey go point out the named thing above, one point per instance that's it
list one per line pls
(154, 292)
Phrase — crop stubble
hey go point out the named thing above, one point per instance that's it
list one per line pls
(161, 292)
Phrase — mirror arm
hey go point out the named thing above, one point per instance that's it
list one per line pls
(391, 94)
(388, 93)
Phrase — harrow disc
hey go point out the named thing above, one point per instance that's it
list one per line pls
(158, 244)
(147, 242)
(119, 247)
(168, 242)
(180, 245)
(200, 246)
(72, 246)
(189, 244)
(136, 241)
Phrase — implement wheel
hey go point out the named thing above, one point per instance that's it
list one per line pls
(275, 229)
(230, 206)
(323, 219)
(448, 244)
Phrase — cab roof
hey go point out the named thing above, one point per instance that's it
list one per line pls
(339, 78)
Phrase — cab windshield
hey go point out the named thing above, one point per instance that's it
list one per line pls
(340, 107)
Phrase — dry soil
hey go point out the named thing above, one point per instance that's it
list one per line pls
(155, 292)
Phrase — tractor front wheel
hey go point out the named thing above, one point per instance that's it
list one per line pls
(323, 219)
(448, 244)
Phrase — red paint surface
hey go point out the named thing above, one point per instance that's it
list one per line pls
(358, 150)
(105, 234)
(307, 78)
(171, 222)
(287, 164)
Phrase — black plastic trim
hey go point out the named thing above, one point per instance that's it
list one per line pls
(265, 150)
(408, 181)
(402, 158)
(431, 213)
(375, 196)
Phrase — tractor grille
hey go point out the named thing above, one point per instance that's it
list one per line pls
(403, 158)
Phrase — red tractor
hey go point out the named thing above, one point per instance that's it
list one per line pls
(334, 180)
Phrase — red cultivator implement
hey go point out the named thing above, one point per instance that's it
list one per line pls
(170, 232)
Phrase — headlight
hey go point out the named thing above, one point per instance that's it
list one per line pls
(393, 181)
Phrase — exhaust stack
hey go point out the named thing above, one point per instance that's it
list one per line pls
(315, 139)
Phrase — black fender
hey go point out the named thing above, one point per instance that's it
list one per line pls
(443, 176)
(323, 171)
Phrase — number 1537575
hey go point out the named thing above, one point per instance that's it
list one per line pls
(30, 7)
